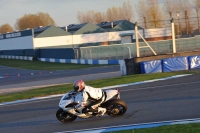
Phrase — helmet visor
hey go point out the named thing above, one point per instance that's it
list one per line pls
(76, 88)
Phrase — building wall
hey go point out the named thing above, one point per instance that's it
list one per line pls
(17, 43)
(90, 38)
(52, 41)
(157, 34)
(102, 38)
(16, 40)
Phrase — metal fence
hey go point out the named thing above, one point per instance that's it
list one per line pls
(158, 35)
(104, 52)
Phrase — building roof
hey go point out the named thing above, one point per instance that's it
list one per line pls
(89, 28)
(73, 27)
(109, 25)
(119, 25)
(40, 29)
(49, 31)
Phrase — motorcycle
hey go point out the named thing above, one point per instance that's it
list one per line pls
(111, 102)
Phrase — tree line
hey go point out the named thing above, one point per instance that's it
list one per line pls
(148, 11)
(29, 21)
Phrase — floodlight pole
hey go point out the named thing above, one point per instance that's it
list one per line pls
(173, 36)
(136, 40)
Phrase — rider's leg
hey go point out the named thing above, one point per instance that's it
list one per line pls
(101, 111)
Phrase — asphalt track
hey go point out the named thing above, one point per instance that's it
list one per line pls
(31, 79)
(9, 75)
(166, 100)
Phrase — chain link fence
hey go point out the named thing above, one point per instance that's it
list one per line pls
(158, 34)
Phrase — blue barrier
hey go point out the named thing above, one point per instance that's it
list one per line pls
(174, 64)
(194, 62)
(151, 66)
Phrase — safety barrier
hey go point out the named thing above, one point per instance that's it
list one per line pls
(16, 57)
(81, 61)
(171, 64)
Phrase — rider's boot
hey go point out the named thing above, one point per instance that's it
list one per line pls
(101, 111)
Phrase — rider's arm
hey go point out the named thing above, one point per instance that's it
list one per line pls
(82, 103)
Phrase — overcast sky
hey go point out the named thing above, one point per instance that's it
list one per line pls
(64, 12)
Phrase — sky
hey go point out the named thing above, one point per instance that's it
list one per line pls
(64, 12)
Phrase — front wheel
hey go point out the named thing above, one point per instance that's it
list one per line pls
(116, 107)
(65, 117)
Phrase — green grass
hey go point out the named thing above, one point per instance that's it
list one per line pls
(182, 128)
(39, 65)
(60, 89)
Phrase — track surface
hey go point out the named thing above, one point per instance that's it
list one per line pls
(150, 102)
(37, 75)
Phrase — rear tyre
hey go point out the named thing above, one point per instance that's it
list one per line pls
(116, 107)
(65, 117)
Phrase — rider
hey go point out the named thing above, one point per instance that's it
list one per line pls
(89, 93)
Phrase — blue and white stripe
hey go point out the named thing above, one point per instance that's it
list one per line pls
(81, 61)
(16, 57)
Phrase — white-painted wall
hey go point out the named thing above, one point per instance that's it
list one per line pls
(99, 37)
(90, 38)
(52, 41)
(115, 36)
(17, 43)
(27, 41)
(158, 32)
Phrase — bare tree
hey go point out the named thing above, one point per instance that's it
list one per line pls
(150, 11)
(155, 13)
(170, 7)
(115, 13)
(121, 13)
(109, 14)
(141, 9)
(6, 28)
(90, 16)
(127, 11)
(45, 18)
(184, 8)
(197, 8)
(112, 14)
(34, 20)
(99, 17)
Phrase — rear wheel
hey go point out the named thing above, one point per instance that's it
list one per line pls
(116, 107)
(65, 117)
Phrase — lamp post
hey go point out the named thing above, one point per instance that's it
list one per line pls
(197, 10)
(177, 13)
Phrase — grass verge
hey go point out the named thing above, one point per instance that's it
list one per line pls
(60, 89)
(179, 128)
(39, 65)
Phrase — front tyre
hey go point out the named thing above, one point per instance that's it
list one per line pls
(65, 117)
(116, 107)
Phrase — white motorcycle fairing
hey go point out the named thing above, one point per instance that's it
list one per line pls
(110, 101)
(68, 99)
